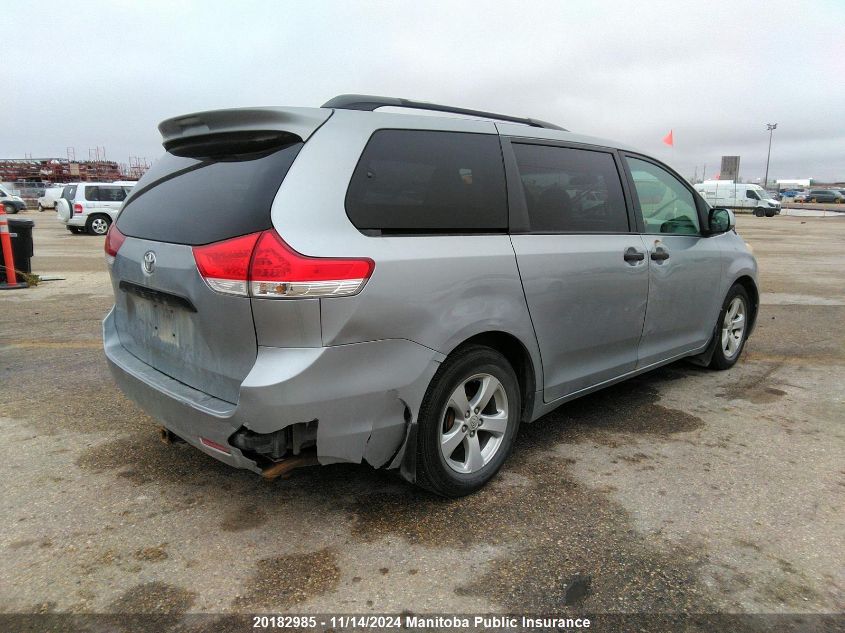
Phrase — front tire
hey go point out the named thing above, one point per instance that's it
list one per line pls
(468, 421)
(731, 328)
(98, 225)
(10, 209)
(759, 213)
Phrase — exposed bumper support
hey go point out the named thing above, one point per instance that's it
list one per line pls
(363, 396)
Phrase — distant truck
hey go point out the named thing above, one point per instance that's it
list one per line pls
(739, 195)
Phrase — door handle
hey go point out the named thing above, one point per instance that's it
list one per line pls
(632, 255)
(660, 255)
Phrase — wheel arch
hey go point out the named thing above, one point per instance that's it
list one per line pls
(97, 214)
(754, 295)
(517, 355)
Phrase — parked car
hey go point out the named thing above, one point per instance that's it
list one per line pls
(11, 203)
(339, 284)
(800, 196)
(789, 193)
(51, 195)
(825, 195)
(91, 207)
(727, 193)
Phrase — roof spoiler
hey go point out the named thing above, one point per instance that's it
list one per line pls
(239, 130)
(370, 102)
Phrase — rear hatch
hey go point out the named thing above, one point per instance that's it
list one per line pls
(210, 186)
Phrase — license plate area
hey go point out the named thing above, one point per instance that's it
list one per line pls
(159, 321)
(158, 325)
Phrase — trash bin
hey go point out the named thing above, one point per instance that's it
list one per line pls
(20, 230)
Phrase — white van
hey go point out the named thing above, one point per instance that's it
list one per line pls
(51, 194)
(743, 195)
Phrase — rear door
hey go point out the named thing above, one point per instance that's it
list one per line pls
(582, 263)
(165, 312)
(685, 268)
(111, 197)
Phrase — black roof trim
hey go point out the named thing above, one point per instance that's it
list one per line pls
(370, 102)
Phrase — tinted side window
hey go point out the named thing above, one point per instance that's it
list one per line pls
(92, 193)
(112, 194)
(571, 190)
(429, 181)
(667, 206)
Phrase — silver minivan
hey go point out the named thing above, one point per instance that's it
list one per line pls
(345, 284)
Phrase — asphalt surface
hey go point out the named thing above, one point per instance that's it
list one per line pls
(681, 490)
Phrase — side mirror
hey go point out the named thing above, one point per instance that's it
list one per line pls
(721, 220)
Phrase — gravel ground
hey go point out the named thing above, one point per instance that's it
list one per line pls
(682, 490)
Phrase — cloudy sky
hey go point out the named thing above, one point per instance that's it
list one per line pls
(85, 74)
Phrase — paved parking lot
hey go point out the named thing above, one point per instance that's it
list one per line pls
(680, 490)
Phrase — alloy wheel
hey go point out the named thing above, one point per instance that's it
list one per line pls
(99, 226)
(733, 327)
(474, 423)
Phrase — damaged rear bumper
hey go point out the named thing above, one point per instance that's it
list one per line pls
(363, 397)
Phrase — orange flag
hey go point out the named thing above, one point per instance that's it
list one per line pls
(669, 140)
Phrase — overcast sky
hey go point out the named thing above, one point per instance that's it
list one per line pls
(84, 74)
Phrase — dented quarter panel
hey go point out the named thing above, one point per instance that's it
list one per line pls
(354, 392)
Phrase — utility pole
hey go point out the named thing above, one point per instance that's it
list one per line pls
(771, 127)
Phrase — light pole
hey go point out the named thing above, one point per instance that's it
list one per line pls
(771, 127)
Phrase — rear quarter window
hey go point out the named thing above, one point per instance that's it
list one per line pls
(424, 181)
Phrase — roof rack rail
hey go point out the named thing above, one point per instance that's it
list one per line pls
(370, 102)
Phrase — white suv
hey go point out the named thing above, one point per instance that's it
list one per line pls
(91, 207)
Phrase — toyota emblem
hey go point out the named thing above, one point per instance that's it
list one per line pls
(149, 262)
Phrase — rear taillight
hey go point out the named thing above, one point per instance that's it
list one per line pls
(262, 265)
(225, 265)
(77, 208)
(279, 271)
(114, 240)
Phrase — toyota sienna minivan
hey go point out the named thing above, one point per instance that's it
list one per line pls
(346, 284)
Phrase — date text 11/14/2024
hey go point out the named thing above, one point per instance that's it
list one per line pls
(418, 621)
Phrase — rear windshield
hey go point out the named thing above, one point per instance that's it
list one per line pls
(192, 201)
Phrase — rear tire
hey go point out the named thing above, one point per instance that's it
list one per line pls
(731, 330)
(98, 224)
(10, 209)
(460, 451)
